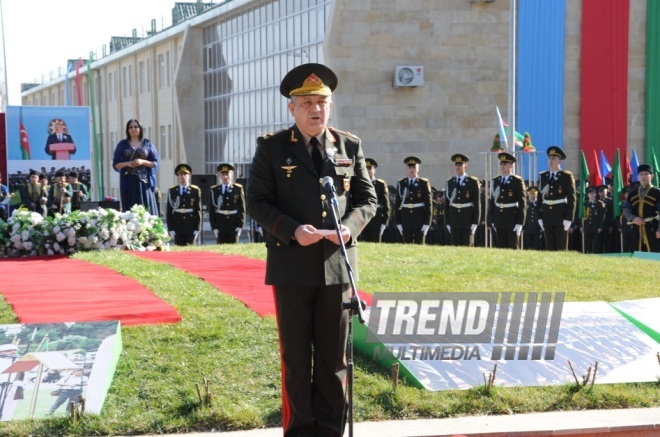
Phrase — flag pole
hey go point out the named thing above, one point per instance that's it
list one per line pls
(513, 6)
(4, 56)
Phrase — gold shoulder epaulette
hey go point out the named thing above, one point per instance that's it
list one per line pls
(194, 186)
(343, 132)
(238, 185)
(382, 180)
(544, 172)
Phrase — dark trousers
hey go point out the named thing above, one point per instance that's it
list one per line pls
(413, 236)
(507, 238)
(313, 329)
(371, 233)
(593, 242)
(227, 238)
(184, 239)
(533, 241)
(460, 236)
(556, 238)
(644, 239)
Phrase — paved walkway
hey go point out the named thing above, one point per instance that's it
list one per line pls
(639, 422)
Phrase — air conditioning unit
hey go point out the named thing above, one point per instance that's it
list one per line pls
(408, 75)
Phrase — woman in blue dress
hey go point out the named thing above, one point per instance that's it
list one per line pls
(136, 160)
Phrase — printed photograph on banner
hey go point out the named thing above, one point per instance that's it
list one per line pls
(47, 140)
(44, 367)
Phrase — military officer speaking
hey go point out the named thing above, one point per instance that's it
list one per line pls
(227, 207)
(374, 230)
(557, 209)
(463, 207)
(414, 204)
(184, 208)
(508, 205)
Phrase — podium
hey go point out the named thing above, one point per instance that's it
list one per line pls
(62, 151)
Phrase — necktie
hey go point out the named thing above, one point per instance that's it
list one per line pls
(458, 181)
(552, 177)
(59, 137)
(504, 180)
(317, 159)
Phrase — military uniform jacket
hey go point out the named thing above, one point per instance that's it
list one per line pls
(414, 204)
(184, 212)
(532, 218)
(508, 206)
(643, 207)
(594, 215)
(227, 212)
(284, 192)
(382, 216)
(558, 197)
(463, 203)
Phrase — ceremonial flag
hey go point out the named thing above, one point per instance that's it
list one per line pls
(626, 170)
(25, 144)
(596, 178)
(656, 168)
(617, 185)
(584, 175)
(634, 163)
(500, 126)
(605, 166)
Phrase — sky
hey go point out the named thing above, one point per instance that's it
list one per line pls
(41, 35)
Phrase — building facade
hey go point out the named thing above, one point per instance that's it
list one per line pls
(208, 86)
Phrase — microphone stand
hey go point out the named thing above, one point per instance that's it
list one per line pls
(354, 306)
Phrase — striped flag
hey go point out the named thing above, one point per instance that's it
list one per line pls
(605, 166)
(500, 126)
(584, 175)
(634, 163)
(25, 143)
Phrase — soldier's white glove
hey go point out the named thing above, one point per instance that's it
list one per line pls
(425, 229)
(400, 228)
(172, 234)
(195, 234)
(567, 224)
(238, 232)
(473, 229)
(216, 232)
(382, 229)
(261, 231)
(449, 229)
(541, 225)
(517, 229)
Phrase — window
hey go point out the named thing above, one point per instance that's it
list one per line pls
(144, 76)
(164, 70)
(111, 86)
(163, 143)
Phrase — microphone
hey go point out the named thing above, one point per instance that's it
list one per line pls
(329, 186)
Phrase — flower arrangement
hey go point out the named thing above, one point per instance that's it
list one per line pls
(27, 233)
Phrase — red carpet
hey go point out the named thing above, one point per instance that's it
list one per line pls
(237, 276)
(59, 289)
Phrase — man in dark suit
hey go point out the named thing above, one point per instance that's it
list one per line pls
(374, 230)
(226, 207)
(59, 137)
(414, 203)
(508, 205)
(304, 262)
(184, 208)
(557, 210)
(463, 206)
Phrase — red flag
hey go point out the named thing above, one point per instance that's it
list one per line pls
(25, 144)
(596, 178)
(627, 170)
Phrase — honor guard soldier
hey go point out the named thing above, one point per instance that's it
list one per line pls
(414, 209)
(593, 222)
(184, 208)
(374, 230)
(642, 210)
(508, 205)
(79, 191)
(227, 207)
(463, 205)
(557, 210)
(533, 235)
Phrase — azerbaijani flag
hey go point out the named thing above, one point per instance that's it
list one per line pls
(25, 144)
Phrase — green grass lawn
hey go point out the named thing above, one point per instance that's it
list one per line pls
(236, 350)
